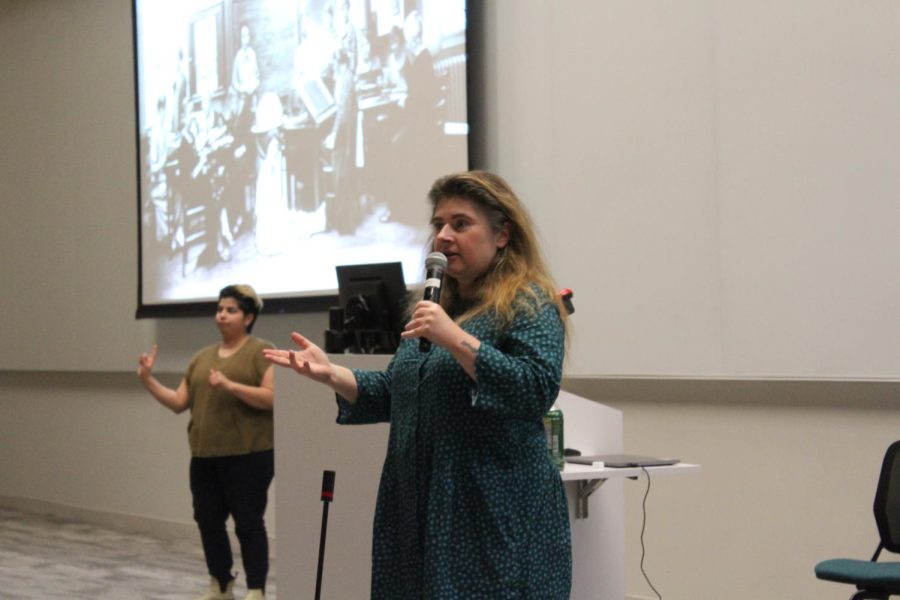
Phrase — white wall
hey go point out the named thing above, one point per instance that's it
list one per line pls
(711, 177)
(67, 183)
(788, 478)
(93, 441)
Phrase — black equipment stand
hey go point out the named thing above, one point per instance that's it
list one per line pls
(327, 497)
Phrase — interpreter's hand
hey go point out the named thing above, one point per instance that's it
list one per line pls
(145, 363)
(430, 321)
(218, 380)
(309, 360)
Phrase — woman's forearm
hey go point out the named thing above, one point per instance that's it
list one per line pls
(175, 400)
(262, 398)
(343, 382)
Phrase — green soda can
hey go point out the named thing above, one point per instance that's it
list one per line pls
(553, 428)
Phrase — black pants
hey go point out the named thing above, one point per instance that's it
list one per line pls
(236, 486)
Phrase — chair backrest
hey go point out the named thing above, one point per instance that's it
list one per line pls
(887, 499)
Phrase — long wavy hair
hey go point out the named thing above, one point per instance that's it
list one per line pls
(517, 278)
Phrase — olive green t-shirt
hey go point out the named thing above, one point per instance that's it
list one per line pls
(222, 424)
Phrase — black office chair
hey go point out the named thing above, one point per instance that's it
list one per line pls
(875, 580)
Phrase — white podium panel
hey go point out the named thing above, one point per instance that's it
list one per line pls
(598, 542)
(308, 441)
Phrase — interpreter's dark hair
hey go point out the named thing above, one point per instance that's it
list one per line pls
(247, 299)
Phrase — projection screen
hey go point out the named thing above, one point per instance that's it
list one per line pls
(278, 139)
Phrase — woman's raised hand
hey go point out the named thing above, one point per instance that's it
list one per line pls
(430, 321)
(218, 379)
(145, 363)
(309, 360)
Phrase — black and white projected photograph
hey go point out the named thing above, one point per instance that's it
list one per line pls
(279, 139)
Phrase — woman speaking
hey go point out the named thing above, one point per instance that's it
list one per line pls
(469, 504)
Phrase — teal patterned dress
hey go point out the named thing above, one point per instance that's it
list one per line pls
(469, 504)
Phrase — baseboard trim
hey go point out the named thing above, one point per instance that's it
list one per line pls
(111, 520)
(158, 528)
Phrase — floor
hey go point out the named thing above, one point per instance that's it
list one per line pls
(44, 557)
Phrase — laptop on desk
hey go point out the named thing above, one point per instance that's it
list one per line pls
(622, 461)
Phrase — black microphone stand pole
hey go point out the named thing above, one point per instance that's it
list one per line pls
(327, 497)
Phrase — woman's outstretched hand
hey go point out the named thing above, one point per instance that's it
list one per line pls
(309, 360)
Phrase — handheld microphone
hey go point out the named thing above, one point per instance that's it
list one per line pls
(435, 264)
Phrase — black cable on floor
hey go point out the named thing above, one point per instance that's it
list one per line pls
(643, 526)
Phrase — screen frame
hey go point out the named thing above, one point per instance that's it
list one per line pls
(313, 302)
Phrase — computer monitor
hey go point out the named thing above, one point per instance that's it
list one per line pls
(372, 309)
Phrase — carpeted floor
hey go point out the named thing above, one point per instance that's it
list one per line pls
(44, 557)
